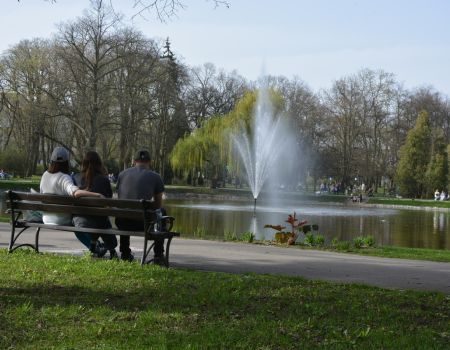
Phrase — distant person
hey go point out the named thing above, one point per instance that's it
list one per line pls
(93, 178)
(56, 180)
(436, 195)
(139, 182)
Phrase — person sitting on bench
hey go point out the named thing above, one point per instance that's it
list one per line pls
(56, 180)
(139, 182)
(93, 178)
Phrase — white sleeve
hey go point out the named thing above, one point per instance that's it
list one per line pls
(67, 185)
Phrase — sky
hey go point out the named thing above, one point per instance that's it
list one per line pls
(318, 41)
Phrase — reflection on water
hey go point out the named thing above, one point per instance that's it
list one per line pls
(399, 227)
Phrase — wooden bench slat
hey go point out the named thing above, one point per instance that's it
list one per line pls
(84, 201)
(110, 231)
(79, 210)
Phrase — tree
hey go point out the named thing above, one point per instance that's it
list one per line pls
(343, 128)
(437, 170)
(209, 149)
(164, 9)
(210, 92)
(305, 114)
(24, 77)
(131, 82)
(87, 49)
(414, 159)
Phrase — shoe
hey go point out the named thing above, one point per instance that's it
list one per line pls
(127, 257)
(159, 260)
(113, 254)
(98, 250)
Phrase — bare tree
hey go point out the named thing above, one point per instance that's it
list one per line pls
(87, 47)
(211, 92)
(163, 9)
(131, 83)
(23, 78)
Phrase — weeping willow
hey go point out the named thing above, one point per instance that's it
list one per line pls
(210, 146)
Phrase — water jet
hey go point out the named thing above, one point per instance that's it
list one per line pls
(261, 147)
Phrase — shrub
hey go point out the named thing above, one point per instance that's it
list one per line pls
(334, 242)
(369, 241)
(248, 237)
(309, 239)
(13, 162)
(343, 245)
(358, 242)
(230, 236)
(319, 240)
(199, 232)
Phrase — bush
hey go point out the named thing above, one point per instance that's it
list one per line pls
(13, 162)
(314, 240)
(309, 239)
(334, 242)
(199, 232)
(369, 241)
(344, 245)
(319, 240)
(230, 236)
(358, 242)
(247, 237)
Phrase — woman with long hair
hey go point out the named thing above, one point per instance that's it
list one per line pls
(93, 178)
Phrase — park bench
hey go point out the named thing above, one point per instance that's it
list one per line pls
(21, 203)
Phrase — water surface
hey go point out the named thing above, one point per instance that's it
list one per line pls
(213, 218)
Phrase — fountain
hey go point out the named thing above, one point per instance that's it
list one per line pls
(261, 148)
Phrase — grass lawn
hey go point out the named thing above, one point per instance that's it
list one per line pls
(410, 202)
(66, 302)
(405, 253)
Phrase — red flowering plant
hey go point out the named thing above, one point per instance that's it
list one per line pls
(288, 237)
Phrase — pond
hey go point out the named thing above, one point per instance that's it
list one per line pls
(213, 218)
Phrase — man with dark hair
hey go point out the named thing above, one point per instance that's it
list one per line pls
(139, 182)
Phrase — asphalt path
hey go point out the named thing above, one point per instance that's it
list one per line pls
(245, 258)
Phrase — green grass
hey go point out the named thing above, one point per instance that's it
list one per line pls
(65, 302)
(383, 252)
(406, 253)
(20, 184)
(410, 202)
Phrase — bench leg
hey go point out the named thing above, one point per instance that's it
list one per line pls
(13, 239)
(147, 251)
(166, 253)
(36, 240)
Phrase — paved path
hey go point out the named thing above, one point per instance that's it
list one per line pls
(241, 258)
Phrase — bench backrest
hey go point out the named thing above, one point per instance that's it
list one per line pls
(123, 208)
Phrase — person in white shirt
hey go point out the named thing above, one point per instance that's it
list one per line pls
(56, 180)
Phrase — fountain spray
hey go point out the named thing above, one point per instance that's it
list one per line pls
(262, 147)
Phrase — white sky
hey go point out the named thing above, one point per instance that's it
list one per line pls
(317, 40)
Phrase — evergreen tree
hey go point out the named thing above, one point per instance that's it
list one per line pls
(414, 159)
(437, 170)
